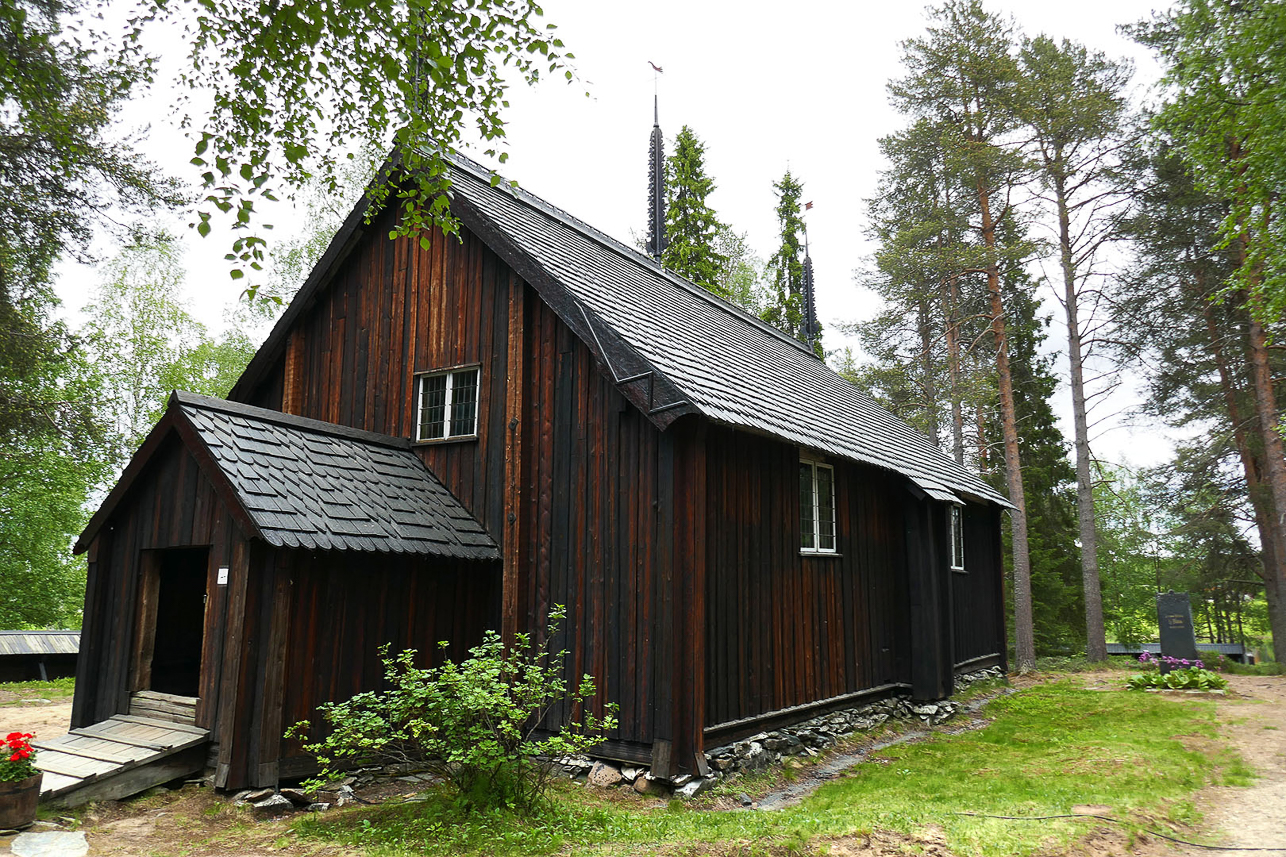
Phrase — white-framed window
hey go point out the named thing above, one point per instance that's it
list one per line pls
(816, 507)
(446, 404)
(955, 518)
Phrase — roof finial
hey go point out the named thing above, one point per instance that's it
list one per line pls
(656, 177)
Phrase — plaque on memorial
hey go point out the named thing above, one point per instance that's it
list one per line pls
(1174, 617)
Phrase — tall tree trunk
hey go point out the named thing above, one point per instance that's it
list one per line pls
(926, 368)
(1095, 635)
(1274, 456)
(1024, 634)
(951, 300)
(1272, 539)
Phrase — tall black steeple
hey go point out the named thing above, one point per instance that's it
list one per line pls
(656, 185)
(811, 328)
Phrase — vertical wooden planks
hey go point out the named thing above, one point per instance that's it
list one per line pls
(514, 425)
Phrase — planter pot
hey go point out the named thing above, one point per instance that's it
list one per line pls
(18, 802)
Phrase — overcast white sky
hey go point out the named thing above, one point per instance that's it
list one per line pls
(764, 85)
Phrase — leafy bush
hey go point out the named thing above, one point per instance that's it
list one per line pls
(1187, 678)
(474, 723)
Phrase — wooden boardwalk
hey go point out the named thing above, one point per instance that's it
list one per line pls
(124, 754)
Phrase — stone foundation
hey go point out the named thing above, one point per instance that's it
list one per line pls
(758, 752)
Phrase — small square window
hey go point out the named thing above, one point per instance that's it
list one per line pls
(957, 538)
(816, 507)
(447, 405)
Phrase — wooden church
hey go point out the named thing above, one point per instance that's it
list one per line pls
(439, 440)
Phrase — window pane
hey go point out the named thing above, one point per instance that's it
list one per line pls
(433, 402)
(825, 508)
(464, 403)
(806, 523)
(957, 538)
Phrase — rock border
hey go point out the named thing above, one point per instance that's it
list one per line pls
(808, 738)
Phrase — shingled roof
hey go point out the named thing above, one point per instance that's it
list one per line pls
(672, 347)
(728, 365)
(302, 483)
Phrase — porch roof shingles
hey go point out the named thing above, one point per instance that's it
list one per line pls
(304, 486)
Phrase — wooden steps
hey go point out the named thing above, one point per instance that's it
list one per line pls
(163, 706)
(119, 757)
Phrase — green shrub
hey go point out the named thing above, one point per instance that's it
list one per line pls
(474, 723)
(1191, 678)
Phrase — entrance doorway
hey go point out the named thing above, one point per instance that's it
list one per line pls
(172, 624)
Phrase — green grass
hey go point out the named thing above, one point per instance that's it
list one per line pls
(57, 688)
(1048, 749)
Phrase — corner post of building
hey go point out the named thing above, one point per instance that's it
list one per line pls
(928, 663)
(998, 551)
(92, 645)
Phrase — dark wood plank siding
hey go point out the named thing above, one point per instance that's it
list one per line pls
(171, 504)
(339, 616)
(977, 602)
(783, 629)
(396, 308)
(590, 523)
(587, 529)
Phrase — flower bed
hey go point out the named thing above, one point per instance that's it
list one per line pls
(1166, 673)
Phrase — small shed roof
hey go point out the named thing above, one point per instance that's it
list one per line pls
(39, 642)
(302, 483)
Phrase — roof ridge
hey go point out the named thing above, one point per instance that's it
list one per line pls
(478, 171)
(196, 400)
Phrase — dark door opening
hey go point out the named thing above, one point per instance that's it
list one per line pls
(180, 621)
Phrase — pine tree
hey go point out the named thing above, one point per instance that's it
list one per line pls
(1073, 102)
(963, 75)
(691, 226)
(785, 309)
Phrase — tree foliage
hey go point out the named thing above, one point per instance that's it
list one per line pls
(741, 276)
(63, 177)
(1226, 114)
(785, 309)
(145, 343)
(295, 88)
(474, 723)
(52, 446)
(691, 225)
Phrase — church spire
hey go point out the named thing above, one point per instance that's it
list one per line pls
(656, 179)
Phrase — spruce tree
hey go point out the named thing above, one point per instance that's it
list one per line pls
(785, 308)
(691, 226)
(1049, 479)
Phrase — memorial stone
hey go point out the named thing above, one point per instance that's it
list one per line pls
(1174, 617)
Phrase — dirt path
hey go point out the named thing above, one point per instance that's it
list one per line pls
(1252, 720)
(45, 718)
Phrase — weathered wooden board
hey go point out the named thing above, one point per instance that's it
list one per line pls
(133, 780)
(116, 758)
